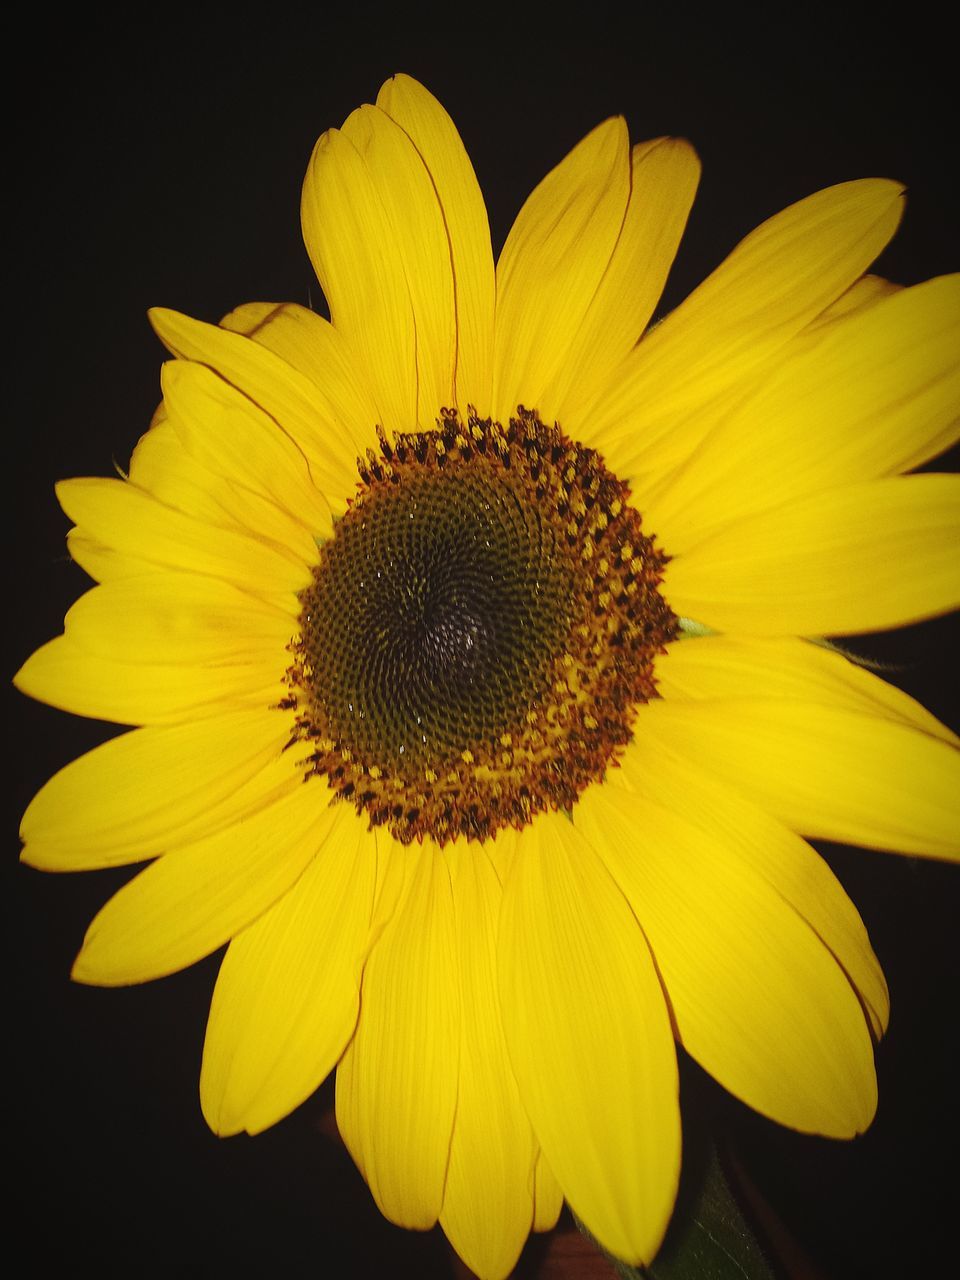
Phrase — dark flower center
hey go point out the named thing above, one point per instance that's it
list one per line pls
(479, 630)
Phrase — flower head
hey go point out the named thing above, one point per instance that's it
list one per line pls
(471, 641)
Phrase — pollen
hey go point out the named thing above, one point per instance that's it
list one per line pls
(459, 609)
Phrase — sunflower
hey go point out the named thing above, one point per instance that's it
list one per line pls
(474, 644)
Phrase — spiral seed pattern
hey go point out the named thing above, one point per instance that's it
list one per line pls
(479, 630)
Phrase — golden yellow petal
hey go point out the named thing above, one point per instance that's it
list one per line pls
(824, 771)
(878, 394)
(434, 135)
(663, 181)
(164, 468)
(229, 434)
(64, 675)
(774, 283)
(130, 520)
(419, 240)
(288, 992)
(488, 1200)
(589, 1038)
(150, 790)
(758, 999)
(397, 1081)
(161, 465)
(785, 667)
(249, 317)
(765, 847)
(503, 850)
(350, 240)
(193, 900)
(102, 563)
(547, 1197)
(861, 557)
(393, 872)
(311, 345)
(178, 618)
(865, 292)
(320, 424)
(553, 262)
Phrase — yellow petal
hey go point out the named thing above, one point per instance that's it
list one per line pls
(767, 848)
(865, 292)
(102, 563)
(178, 618)
(857, 558)
(226, 432)
(164, 468)
(824, 771)
(670, 455)
(64, 675)
(288, 992)
(161, 465)
(502, 850)
(311, 345)
(351, 244)
(553, 262)
(758, 999)
(878, 395)
(393, 873)
(249, 317)
(775, 282)
(419, 239)
(785, 667)
(193, 900)
(488, 1201)
(434, 135)
(394, 870)
(287, 395)
(147, 791)
(397, 1081)
(589, 1038)
(547, 1197)
(664, 177)
(125, 517)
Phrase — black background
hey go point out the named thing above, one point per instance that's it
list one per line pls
(162, 165)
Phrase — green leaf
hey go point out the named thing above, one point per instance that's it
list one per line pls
(708, 1239)
(712, 1240)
